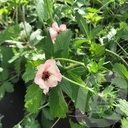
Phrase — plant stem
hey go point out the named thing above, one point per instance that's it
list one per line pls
(71, 81)
(55, 123)
(71, 66)
(117, 56)
(32, 113)
(69, 60)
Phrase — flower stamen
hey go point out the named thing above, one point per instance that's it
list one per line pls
(45, 75)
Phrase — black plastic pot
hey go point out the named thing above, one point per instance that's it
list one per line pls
(12, 105)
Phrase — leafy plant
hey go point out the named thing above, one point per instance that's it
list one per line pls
(83, 70)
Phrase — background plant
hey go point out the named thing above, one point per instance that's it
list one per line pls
(92, 56)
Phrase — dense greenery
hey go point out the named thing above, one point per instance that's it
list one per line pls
(92, 56)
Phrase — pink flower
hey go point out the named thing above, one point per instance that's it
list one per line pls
(47, 75)
(55, 30)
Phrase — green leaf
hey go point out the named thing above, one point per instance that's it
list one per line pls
(96, 30)
(18, 126)
(4, 75)
(29, 72)
(2, 92)
(47, 114)
(44, 9)
(123, 105)
(46, 118)
(33, 98)
(124, 123)
(120, 82)
(76, 125)
(83, 25)
(78, 70)
(121, 70)
(8, 86)
(97, 50)
(1, 69)
(9, 33)
(76, 93)
(26, 29)
(7, 54)
(31, 123)
(70, 1)
(36, 37)
(58, 105)
(48, 47)
(62, 43)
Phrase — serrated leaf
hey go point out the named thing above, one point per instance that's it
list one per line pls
(47, 114)
(31, 123)
(121, 70)
(18, 65)
(33, 98)
(97, 50)
(76, 125)
(120, 82)
(8, 86)
(96, 30)
(76, 93)
(5, 74)
(58, 105)
(36, 37)
(62, 43)
(27, 28)
(48, 47)
(9, 33)
(29, 71)
(7, 54)
(124, 123)
(46, 119)
(44, 9)
(78, 70)
(83, 25)
(123, 105)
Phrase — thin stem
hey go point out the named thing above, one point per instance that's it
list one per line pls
(43, 106)
(71, 81)
(55, 123)
(71, 66)
(32, 113)
(117, 56)
(122, 48)
(16, 15)
(69, 60)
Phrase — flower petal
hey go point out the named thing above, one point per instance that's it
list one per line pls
(53, 34)
(55, 26)
(63, 27)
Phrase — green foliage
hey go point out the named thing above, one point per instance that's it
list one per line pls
(29, 74)
(121, 70)
(91, 55)
(31, 123)
(9, 33)
(33, 98)
(83, 26)
(48, 47)
(123, 105)
(124, 123)
(58, 105)
(76, 125)
(44, 9)
(97, 50)
(62, 43)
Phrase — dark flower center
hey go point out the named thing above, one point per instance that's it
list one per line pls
(45, 75)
